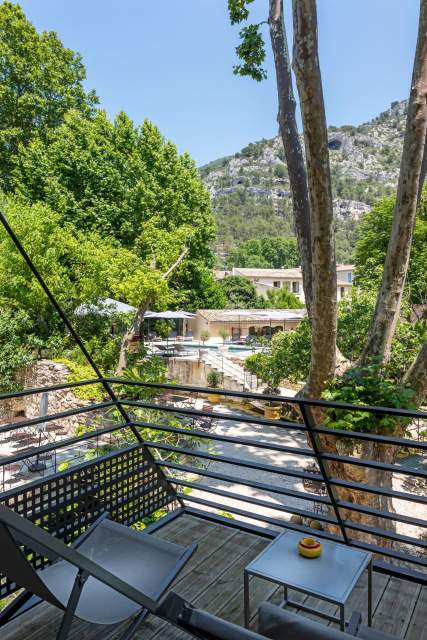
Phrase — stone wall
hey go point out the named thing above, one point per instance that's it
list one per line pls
(45, 373)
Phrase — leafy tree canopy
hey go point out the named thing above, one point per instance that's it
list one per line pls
(283, 299)
(275, 253)
(114, 178)
(371, 249)
(40, 81)
(241, 293)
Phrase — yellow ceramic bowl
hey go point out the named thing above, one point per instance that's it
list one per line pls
(309, 547)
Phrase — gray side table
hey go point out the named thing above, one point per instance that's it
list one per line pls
(331, 577)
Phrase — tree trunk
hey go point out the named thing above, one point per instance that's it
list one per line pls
(324, 316)
(416, 376)
(291, 144)
(136, 325)
(423, 171)
(397, 259)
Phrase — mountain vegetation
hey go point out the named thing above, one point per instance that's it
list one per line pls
(251, 193)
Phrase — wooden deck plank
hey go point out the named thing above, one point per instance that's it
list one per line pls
(213, 580)
(224, 587)
(396, 607)
(417, 628)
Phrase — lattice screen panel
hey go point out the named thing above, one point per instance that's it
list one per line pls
(123, 483)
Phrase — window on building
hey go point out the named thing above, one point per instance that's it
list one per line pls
(276, 284)
(342, 293)
(295, 287)
(350, 276)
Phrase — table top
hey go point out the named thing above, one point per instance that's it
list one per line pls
(332, 576)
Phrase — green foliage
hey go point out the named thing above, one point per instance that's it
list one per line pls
(240, 293)
(17, 347)
(372, 246)
(213, 379)
(283, 299)
(251, 51)
(369, 385)
(354, 317)
(80, 372)
(204, 336)
(287, 357)
(145, 368)
(280, 171)
(40, 81)
(78, 267)
(267, 252)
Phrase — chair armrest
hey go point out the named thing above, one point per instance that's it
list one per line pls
(354, 623)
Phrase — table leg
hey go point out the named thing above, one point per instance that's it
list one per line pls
(246, 597)
(285, 595)
(370, 594)
(342, 617)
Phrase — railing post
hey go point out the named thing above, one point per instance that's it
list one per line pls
(310, 427)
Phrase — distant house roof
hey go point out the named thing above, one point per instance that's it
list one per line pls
(248, 272)
(251, 315)
(105, 307)
(169, 315)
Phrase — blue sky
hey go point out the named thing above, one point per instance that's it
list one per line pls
(172, 61)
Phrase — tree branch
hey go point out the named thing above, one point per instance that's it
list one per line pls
(138, 319)
(396, 264)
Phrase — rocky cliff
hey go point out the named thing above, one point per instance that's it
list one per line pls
(251, 194)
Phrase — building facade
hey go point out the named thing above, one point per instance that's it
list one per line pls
(239, 324)
(268, 279)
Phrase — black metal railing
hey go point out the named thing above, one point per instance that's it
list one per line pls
(133, 475)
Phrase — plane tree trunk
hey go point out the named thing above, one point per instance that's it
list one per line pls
(324, 304)
(291, 144)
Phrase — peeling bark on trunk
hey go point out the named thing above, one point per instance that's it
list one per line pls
(324, 317)
(416, 376)
(136, 325)
(291, 144)
(397, 259)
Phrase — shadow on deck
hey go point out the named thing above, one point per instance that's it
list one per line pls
(213, 580)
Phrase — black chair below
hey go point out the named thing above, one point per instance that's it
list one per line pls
(111, 574)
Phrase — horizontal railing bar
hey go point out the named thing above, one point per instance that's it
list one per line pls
(372, 437)
(256, 516)
(11, 493)
(379, 566)
(384, 551)
(373, 464)
(274, 398)
(31, 453)
(243, 481)
(53, 387)
(55, 416)
(396, 517)
(375, 489)
(297, 426)
(256, 501)
(247, 442)
(384, 533)
(236, 461)
(403, 573)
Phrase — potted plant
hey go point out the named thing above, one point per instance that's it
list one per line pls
(213, 380)
(204, 335)
(223, 333)
(271, 407)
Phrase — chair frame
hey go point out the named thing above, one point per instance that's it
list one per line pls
(18, 530)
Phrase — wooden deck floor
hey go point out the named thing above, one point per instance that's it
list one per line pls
(213, 580)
